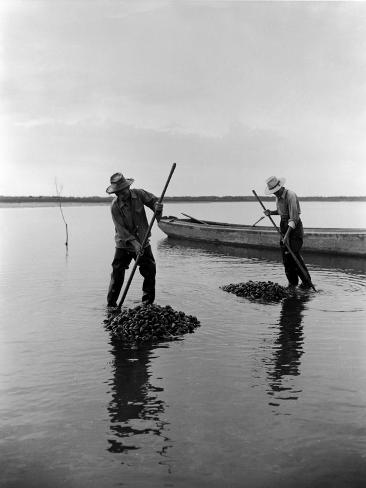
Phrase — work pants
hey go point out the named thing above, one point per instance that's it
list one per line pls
(292, 270)
(147, 268)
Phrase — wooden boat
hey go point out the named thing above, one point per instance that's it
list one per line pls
(335, 241)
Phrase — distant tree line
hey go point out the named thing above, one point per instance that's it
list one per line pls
(208, 198)
(51, 199)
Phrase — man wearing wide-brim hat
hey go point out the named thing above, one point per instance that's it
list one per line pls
(130, 222)
(288, 207)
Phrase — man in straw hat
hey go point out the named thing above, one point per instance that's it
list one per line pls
(130, 222)
(288, 208)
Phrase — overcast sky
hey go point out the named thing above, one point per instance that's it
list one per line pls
(233, 92)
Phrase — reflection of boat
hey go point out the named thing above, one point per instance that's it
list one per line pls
(350, 242)
(348, 264)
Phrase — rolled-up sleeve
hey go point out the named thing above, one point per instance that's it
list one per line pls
(148, 198)
(293, 209)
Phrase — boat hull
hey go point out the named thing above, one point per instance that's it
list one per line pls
(331, 241)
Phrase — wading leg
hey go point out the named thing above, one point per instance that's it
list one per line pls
(147, 268)
(290, 266)
(120, 263)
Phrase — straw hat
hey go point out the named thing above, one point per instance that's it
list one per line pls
(274, 184)
(118, 183)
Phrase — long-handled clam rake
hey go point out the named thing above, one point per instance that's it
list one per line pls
(145, 240)
(303, 269)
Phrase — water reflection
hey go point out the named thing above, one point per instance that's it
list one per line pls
(348, 264)
(135, 408)
(188, 247)
(287, 350)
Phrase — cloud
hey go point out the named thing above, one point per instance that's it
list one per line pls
(125, 9)
(232, 163)
(241, 88)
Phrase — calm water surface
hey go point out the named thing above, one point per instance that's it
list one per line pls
(259, 396)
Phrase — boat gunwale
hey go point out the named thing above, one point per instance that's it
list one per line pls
(227, 226)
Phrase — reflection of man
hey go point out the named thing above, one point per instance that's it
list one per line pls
(288, 345)
(288, 207)
(133, 407)
(130, 222)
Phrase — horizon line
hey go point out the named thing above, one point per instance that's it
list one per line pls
(109, 197)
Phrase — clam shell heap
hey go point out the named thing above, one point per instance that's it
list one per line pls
(150, 323)
(258, 290)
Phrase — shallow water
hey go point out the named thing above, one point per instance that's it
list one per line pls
(260, 395)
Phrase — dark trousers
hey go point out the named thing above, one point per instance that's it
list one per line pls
(147, 268)
(292, 271)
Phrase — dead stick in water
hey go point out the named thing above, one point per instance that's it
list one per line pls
(301, 268)
(145, 239)
(58, 191)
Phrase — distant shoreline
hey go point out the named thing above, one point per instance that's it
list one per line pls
(54, 200)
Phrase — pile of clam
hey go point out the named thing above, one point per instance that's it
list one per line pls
(258, 290)
(150, 323)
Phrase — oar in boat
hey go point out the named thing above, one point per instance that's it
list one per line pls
(303, 269)
(145, 239)
(255, 223)
(194, 219)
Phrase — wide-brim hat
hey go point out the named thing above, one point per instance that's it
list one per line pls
(118, 183)
(274, 184)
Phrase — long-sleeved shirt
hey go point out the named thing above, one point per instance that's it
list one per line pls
(129, 217)
(288, 207)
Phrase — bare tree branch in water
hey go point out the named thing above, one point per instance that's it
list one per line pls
(58, 192)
